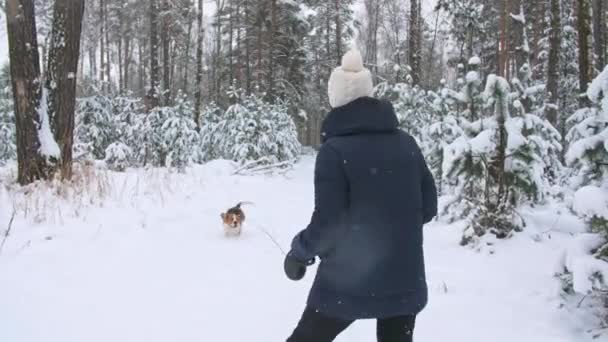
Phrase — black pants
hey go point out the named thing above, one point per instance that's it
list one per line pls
(316, 327)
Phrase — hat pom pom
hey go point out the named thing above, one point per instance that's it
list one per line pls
(352, 61)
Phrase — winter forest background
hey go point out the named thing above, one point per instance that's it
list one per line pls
(507, 98)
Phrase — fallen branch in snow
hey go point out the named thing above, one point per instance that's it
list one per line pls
(250, 168)
(249, 165)
(8, 230)
(581, 302)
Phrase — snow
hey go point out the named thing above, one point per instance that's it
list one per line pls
(534, 90)
(578, 149)
(515, 138)
(519, 18)
(458, 96)
(303, 115)
(3, 40)
(305, 12)
(582, 265)
(48, 145)
(598, 92)
(473, 77)
(496, 85)
(475, 60)
(483, 143)
(590, 201)
(152, 264)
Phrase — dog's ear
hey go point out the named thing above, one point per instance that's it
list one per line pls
(223, 216)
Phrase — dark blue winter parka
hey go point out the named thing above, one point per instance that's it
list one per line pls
(373, 193)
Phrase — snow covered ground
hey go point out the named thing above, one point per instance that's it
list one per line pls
(149, 262)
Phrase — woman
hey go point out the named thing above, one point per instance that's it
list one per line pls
(373, 193)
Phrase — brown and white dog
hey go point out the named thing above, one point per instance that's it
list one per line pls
(233, 220)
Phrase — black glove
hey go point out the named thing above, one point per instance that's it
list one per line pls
(295, 269)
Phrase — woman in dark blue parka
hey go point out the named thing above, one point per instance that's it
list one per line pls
(373, 193)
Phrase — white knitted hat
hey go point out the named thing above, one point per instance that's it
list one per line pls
(349, 81)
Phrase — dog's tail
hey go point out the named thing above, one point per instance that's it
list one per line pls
(243, 203)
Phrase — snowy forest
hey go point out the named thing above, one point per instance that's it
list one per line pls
(508, 100)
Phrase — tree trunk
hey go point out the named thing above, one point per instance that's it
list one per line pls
(230, 43)
(199, 66)
(259, 50)
(432, 52)
(127, 61)
(599, 27)
(247, 49)
(518, 33)
(539, 26)
(61, 78)
(187, 59)
(25, 78)
(338, 29)
(166, 55)
(92, 62)
(142, 69)
(102, 64)
(503, 50)
(239, 55)
(328, 41)
(172, 73)
(272, 35)
(108, 61)
(584, 35)
(153, 99)
(414, 39)
(555, 41)
(218, 50)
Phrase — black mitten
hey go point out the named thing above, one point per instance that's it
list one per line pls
(295, 269)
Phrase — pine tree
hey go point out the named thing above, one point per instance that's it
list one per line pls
(209, 133)
(96, 127)
(8, 148)
(588, 138)
(500, 161)
(259, 131)
(442, 132)
(410, 102)
(179, 136)
(118, 156)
